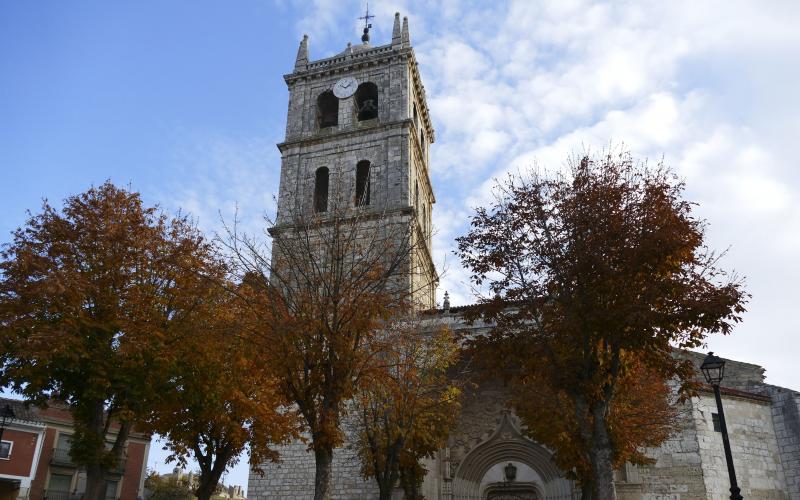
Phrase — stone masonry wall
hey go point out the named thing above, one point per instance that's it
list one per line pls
(691, 465)
(293, 477)
(786, 421)
(755, 450)
(481, 411)
(383, 148)
(677, 473)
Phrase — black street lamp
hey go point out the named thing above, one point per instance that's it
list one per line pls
(5, 416)
(713, 368)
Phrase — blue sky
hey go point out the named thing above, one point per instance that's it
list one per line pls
(184, 101)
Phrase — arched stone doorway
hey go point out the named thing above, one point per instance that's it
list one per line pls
(479, 475)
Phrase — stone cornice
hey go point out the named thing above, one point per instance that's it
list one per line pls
(324, 218)
(345, 62)
(342, 134)
(737, 393)
(428, 252)
(418, 152)
(420, 89)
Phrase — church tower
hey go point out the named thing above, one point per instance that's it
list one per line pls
(358, 132)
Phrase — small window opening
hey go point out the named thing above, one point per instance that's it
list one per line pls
(416, 117)
(716, 422)
(111, 489)
(60, 483)
(327, 109)
(422, 140)
(362, 183)
(367, 101)
(5, 449)
(416, 194)
(321, 190)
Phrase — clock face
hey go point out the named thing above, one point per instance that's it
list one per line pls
(345, 87)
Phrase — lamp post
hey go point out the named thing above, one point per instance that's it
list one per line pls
(713, 369)
(5, 416)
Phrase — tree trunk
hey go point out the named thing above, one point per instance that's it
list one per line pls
(587, 490)
(384, 493)
(410, 483)
(211, 469)
(322, 480)
(386, 481)
(387, 478)
(207, 484)
(95, 427)
(95, 482)
(602, 457)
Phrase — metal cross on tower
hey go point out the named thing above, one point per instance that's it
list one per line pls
(367, 25)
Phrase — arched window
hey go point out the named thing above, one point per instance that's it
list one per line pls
(327, 110)
(321, 190)
(367, 101)
(362, 183)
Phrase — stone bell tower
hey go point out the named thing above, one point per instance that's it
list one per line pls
(357, 137)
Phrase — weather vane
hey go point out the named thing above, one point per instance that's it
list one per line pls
(367, 25)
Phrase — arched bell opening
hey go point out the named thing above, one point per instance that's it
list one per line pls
(362, 183)
(321, 190)
(367, 101)
(327, 110)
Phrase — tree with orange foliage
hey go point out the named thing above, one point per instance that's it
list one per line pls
(329, 285)
(218, 398)
(404, 411)
(90, 298)
(597, 274)
(642, 415)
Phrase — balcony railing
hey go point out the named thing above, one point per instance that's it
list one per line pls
(119, 468)
(66, 495)
(61, 495)
(61, 457)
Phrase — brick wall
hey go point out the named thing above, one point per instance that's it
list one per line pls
(23, 449)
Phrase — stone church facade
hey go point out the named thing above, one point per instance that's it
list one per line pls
(358, 123)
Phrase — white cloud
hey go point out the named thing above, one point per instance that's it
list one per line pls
(221, 175)
(709, 86)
